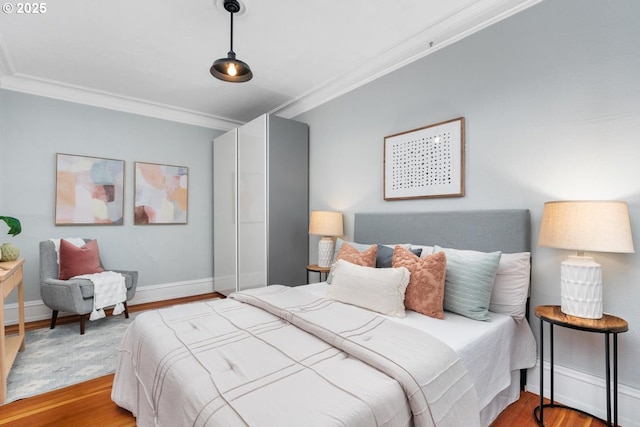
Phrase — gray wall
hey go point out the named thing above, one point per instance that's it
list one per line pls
(551, 98)
(33, 129)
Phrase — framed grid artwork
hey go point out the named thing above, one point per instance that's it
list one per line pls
(161, 194)
(427, 162)
(89, 190)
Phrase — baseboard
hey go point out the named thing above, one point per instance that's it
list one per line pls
(36, 310)
(586, 392)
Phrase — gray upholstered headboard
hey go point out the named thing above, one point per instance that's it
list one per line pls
(506, 230)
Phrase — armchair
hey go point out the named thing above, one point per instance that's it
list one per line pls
(73, 295)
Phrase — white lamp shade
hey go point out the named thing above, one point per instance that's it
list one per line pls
(326, 223)
(600, 226)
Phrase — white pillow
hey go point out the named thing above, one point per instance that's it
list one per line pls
(511, 287)
(377, 289)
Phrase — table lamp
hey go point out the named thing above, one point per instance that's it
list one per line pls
(326, 224)
(598, 226)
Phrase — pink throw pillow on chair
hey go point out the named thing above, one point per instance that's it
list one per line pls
(75, 261)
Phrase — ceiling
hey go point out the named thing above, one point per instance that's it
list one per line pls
(152, 57)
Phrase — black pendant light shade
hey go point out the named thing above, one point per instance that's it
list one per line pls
(231, 69)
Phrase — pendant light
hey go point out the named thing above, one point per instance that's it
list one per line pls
(231, 69)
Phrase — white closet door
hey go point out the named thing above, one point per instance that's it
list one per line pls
(252, 190)
(224, 213)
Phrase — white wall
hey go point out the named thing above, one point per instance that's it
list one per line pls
(551, 98)
(33, 129)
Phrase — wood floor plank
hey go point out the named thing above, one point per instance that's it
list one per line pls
(85, 404)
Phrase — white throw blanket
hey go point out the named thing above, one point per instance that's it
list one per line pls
(109, 288)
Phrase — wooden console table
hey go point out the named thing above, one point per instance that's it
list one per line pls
(10, 279)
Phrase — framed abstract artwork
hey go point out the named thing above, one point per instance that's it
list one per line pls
(427, 162)
(89, 190)
(161, 194)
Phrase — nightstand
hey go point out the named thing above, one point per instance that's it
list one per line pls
(317, 269)
(607, 325)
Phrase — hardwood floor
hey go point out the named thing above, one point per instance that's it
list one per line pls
(89, 403)
(520, 414)
(85, 404)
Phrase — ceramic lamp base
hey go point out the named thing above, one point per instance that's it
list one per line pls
(581, 287)
(325, 252)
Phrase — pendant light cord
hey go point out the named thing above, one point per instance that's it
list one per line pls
(231, 38)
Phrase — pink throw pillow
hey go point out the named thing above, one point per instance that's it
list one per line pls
(75, 261)
(365, 258)
(425, 293)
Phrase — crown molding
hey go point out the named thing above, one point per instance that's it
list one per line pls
(6, 65)
(80, 95)
(11, 80)
(449, 30)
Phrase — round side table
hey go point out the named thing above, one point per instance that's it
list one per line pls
(320, 270)
(607, 325)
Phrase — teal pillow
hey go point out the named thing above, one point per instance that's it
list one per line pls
(468, 281)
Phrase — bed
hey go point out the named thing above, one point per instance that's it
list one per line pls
(280, 356)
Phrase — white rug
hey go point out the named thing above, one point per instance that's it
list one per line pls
(55, 358)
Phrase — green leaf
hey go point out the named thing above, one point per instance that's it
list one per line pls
(14, 225)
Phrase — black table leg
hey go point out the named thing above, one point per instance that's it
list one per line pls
(541, 420)
(608, 376)
(551, 384)
(615, 379)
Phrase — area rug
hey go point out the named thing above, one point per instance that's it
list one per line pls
(55, 358)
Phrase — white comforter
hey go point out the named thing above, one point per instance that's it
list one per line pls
(280, 356)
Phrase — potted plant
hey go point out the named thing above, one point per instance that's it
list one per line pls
(8, 250)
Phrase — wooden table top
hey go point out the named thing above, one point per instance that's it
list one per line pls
(608, 323)
(317, 268)
(8, 266)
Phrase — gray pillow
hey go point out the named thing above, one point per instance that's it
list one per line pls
(469, 280)
(384, 256)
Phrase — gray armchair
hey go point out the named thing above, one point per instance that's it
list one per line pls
(73, 295)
